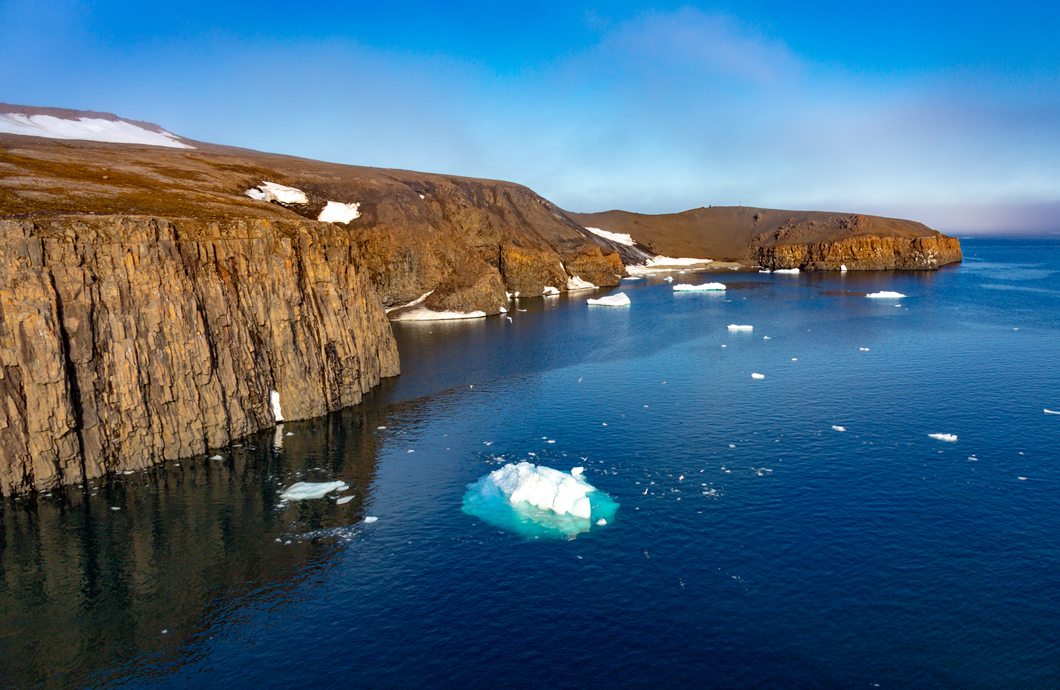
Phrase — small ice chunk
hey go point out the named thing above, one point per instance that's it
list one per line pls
(735, 327)
(669, 279)
(290, 433)
(115, 508)
(336, 212)
(576, 471)
(952, 438)
(380, 427)
(616, 300)
(411, 450)
(1022, 479)
(839, 428)
(766, 337)
(307, 490)
(705, 287)
(601, 522)
(369, 520)
(274, 400)
(786, 270)
(758, 376)
(864, 349)
(885, 295)
(217, 457)
(843, 268)
(344, 500)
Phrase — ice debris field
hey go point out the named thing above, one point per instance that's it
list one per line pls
(538, 501)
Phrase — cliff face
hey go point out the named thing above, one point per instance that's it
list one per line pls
(864, 253)
(128, 340)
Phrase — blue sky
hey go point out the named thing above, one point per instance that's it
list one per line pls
(948, 113)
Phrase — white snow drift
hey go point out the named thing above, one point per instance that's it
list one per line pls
(87, 129)
(577, 283)
(613, 236)
(336, 212)
(270, 191)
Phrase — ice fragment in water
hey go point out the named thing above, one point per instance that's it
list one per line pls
(115, 508)
(705, 287)
(369, 520)
(537, 501)
(786, 270)
(839, 428)
(601, 522)
(1050, 412)
(885, 295)
(758, 376)
(217, 457)
(344, 500)
(952, 438)
(307, 490)
(734, 327)
(616, 300)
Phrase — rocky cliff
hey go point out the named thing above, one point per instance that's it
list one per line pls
(128, 340)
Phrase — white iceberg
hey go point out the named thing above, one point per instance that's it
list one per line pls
(307, 490)
(885, 295)
(786, 270)
(87, 129)
(370, 519)
(576, 283)
(839, 428)
(335, 212)
(758, 376)
(735, 327)
(705, 287)
(538, 501)
(617, 300)
(952, 438)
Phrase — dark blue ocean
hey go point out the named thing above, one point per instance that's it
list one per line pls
(756, 545)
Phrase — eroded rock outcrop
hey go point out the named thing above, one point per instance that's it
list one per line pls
(128, 340)
(865, 253)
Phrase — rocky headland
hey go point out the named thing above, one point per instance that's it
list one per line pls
(155, 297)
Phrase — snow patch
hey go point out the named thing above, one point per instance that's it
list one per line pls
(308, 490)
(617, 300)
(885, 295)
(270, 191)
(550, 291)
(274, 402)
(87, 129)
(705, 287)
(613, 236)
(335, 212)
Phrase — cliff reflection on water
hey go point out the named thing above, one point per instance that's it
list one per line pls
(129, 572)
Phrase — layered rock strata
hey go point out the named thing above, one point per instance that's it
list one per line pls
(866, 253)
(125, 341)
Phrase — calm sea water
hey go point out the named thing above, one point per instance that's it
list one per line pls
(755, 544)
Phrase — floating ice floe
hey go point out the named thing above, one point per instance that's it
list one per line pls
(669, 279)
(735, 327)
(576, 283)
(336, 212)
(87, 129)
(765, 270)
(369, 520)
(786, 270)
(274, 402)
(536, 501)
(302, 491)
(270, 191)
(425, 314)
(952, 438)
(344, 500)
(217, 457)
(839, 428)
(617, 300)
(705, 287)
(885, 295)
(758, 376)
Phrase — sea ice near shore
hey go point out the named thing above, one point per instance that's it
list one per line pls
(617, 300)
(534, 500)
(885, 295)
(425, 314)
